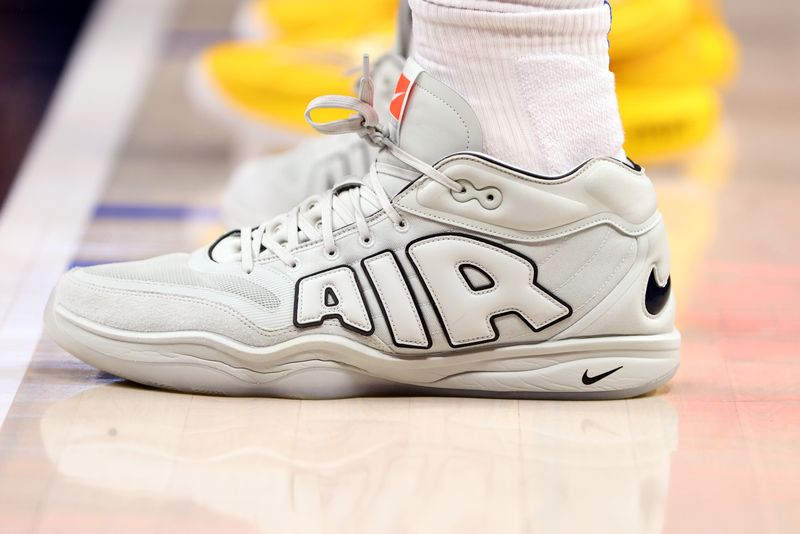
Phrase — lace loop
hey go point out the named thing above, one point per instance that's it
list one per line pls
(366, 116)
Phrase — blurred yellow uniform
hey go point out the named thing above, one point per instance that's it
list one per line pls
(670, 59)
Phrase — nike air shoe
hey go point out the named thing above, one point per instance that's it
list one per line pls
(441, 271)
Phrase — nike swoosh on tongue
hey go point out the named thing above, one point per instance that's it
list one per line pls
(434, 121)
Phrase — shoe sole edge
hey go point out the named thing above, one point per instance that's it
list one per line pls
(324, 367)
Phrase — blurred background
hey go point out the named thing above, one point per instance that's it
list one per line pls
(123, 124)
(673, 60)
(36, 37)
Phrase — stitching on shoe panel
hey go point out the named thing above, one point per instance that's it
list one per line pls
(408, 297)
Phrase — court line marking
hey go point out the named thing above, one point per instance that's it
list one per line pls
(69, 160)
(156, 212)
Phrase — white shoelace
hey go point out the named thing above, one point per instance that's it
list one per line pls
(314, 218)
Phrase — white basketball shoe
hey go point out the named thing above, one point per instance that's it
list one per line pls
(267, 186)
(441, 271)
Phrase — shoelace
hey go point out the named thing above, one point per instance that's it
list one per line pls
(355, 155)
(314, 218)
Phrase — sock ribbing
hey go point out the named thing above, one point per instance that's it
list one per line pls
(535, 72)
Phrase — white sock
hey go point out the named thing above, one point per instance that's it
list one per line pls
(535, 72)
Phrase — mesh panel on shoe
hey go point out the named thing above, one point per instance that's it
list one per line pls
(172, 270)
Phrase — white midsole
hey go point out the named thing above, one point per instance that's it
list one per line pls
(510, 368)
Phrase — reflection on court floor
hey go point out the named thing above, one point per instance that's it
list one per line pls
(344, 463)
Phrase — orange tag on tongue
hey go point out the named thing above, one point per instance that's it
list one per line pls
(401, 93)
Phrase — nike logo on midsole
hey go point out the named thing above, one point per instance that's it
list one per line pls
(589, 380)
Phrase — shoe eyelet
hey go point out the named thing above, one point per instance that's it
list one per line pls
(293, 266)
(367, 243)
(333, 254)
(402, 226)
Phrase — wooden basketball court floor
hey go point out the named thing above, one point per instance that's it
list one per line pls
(124, 168)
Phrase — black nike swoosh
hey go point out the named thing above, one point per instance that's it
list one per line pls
(589, 380)
(656, 296)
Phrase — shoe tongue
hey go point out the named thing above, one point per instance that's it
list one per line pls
(428, 120)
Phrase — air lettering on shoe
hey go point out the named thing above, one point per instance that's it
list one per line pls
(467, 312)
(469, 281)
(397, 300)
(332, 294)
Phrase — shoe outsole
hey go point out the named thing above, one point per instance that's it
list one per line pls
(326, 367)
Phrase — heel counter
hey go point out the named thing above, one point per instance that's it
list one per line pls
(643, 303)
